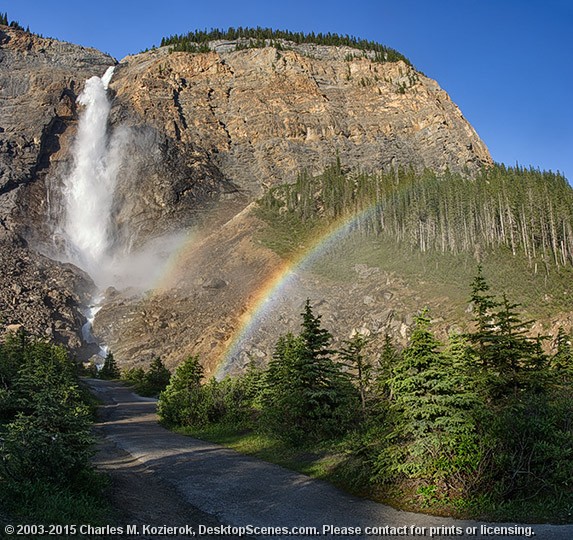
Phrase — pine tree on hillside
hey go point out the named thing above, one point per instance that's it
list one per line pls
(179, 403)
(157, 378)
(306, 396)
(389, 356)
(483, 305)
(434, 401)
(562, 361)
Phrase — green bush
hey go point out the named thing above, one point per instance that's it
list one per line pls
(148, 383)
(307, 396)
(179, 403)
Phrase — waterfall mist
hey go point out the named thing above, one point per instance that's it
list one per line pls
(88, 233)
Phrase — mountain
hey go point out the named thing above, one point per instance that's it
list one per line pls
(187, 142)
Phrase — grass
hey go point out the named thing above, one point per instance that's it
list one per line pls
(439, 275)
(44, 503)
(317, 461)
(335, 462)
(439, 280)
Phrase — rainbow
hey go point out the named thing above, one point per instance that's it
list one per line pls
(264, 298)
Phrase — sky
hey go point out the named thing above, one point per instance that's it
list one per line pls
(506, 63)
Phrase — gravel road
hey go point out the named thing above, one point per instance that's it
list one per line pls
(205, 485)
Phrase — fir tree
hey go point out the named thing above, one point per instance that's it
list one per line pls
(483, 303)
(109, 369)
(179, 403)
(353, 357)
(156, 379)
(562, 361)
(434, 402)
(387, 361)
(306, 395)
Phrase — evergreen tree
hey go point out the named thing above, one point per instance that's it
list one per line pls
(109, 369)
(483, 303)
(353, 357)
(156, 379)
(179, 403)
(51, 420)
(562, 360)
(387, 361)
(434, 403)
(283, 410)
(306, 395)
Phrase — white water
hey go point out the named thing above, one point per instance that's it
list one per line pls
(89, 188)
(87, 333)
(89, 232)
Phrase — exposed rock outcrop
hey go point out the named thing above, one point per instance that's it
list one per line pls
(200, 137)
(42, 296)
(262, 115)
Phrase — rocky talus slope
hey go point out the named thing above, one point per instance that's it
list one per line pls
(200, 137)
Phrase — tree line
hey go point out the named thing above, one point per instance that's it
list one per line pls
(527, 211)
(197, 41)
(13, 24)
(478, 422)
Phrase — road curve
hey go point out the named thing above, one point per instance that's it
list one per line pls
(242, 491)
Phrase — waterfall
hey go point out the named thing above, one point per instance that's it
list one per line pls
(89, 187)
(87, 229)
(87, 334)
(87, 233)
(88, 194)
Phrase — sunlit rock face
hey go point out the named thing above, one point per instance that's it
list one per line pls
(262, 115)
(187, 142)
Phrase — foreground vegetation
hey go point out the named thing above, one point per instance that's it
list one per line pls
(45, 437)
(479, 426)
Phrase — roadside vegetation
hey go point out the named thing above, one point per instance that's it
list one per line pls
(46, 441)
(149, 382)
(478, 426)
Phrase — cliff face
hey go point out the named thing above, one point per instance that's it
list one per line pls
(262, 115)
(200, 137)
(39, 82)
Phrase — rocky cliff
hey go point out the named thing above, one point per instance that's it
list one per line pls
(39, 83)
(262, 115)
(200, 136)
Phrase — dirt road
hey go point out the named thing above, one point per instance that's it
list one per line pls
(162, 478)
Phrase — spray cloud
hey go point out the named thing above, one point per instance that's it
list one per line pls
(92, 238)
